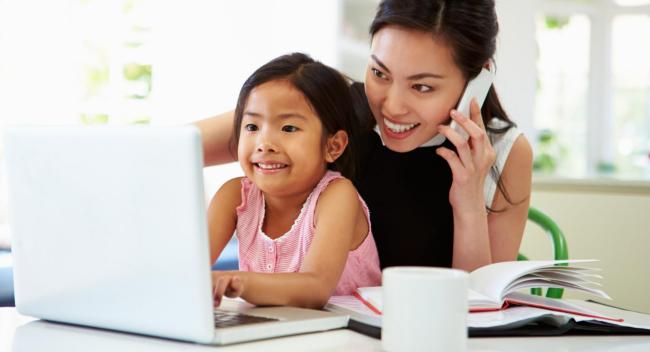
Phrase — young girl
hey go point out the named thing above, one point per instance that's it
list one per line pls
(303, 231)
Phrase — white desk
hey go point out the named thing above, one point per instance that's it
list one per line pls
(20, 334)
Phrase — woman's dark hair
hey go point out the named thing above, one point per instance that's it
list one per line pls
(326, 90)
(470, 29)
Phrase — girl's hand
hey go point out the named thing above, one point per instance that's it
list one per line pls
(226, 283)
(471, 162)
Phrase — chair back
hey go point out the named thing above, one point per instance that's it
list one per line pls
(560, 249)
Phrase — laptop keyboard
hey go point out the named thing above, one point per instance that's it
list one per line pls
(224, 319)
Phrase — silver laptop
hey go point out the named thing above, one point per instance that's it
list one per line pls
(109, 230)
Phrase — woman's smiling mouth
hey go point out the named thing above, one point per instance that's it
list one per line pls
(399, 128)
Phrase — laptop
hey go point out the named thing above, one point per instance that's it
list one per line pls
(109, 230)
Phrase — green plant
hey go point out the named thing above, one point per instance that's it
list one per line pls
(549, 152)
(139, 78)
(94, 119)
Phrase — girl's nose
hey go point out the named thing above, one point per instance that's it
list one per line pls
(265, 142)
(266, 147)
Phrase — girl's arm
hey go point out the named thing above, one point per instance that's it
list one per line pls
(216, 133)
(222, 216)
(339, 227)
(480, 239)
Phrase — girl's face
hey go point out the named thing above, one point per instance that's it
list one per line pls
(412, 83)
(281, 146)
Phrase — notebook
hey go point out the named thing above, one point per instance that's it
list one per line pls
(109, 230)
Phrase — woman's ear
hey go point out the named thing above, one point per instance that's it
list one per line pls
(335, 145)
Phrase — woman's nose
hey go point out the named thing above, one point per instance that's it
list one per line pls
(394, 104)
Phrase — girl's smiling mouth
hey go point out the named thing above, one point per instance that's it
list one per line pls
(269, 167)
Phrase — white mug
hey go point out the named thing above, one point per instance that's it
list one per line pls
(424, 309)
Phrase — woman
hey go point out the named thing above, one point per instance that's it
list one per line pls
(455, 202)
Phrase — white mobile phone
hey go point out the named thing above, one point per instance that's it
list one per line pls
(476, 88)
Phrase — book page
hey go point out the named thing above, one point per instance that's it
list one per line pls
(492, 280)
(542, 282)
(560, 306)
(354, 308)
(372, 295)
(512, 318)
(630, 319)
(479, 300)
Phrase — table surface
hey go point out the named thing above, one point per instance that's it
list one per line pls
(20, 333)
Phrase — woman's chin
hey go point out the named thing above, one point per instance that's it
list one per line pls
(403, 145)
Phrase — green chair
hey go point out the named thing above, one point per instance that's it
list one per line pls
(560, 249)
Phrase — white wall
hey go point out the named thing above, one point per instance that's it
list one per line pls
(606, 222)
(204, 50)
(515, 58)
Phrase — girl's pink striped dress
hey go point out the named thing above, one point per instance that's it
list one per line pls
(285, 254)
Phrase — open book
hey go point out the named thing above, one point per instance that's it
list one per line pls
(516, 320)
(495, 286)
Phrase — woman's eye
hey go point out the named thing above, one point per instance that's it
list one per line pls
(422, 88)
(378, 73)
(250, 127)
(289, 128)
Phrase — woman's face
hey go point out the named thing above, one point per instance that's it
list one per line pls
(412, 83)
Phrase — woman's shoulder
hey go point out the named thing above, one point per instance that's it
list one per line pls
(521, 152)
(502, 135)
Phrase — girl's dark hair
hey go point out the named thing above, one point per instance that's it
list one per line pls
(326, 90)
(470, 29)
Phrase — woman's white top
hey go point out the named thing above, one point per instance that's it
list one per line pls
(501, 143)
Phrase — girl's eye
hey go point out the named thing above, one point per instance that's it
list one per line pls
(289, 128)
(378, 73)
(250, 127)
(422, 88)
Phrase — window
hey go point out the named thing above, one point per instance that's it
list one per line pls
(121, 62)
(592, 106)
(562, 91)
(631, 93)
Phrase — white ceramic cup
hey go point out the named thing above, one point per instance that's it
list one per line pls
(424, 309)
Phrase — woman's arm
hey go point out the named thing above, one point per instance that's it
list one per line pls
(216, 133)
(338, 214)
(506, 228)
(222, 216)
(480, 239)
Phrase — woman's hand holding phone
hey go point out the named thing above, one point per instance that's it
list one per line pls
(474, 154)
(471, 162)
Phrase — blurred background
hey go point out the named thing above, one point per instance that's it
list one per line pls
(573, 74)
